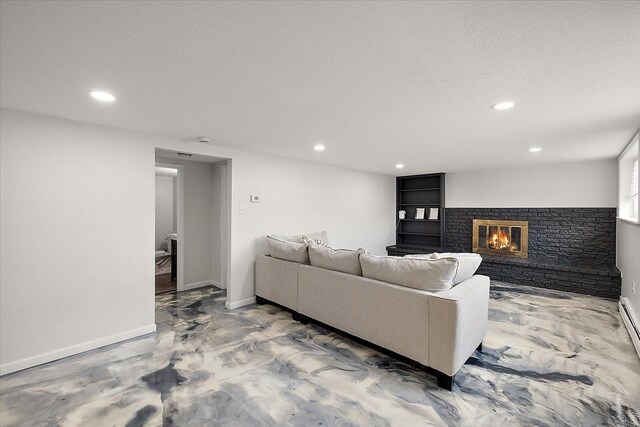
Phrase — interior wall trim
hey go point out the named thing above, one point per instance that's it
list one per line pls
(198, 285)
(631, 322)
(40, 359)
(218, 284)
(241, 303)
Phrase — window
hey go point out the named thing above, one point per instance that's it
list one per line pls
(628, 181)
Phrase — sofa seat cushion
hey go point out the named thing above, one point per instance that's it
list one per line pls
(344, 260)
(424, 274)
(288, 250)
(468, 263)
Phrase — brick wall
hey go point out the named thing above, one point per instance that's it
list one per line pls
(576, 235)
(607, 286)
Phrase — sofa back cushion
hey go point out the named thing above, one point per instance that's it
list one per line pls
(344, 260)
(423, 274)
(468, 263)
(288, 250)
(296, 238)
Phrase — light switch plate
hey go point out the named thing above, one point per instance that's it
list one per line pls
(243, 208)
(255, 199)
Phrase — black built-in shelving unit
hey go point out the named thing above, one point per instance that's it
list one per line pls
(419, 235)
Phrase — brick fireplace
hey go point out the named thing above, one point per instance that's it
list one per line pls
(569, 249)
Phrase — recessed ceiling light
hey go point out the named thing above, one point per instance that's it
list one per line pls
(318, 147)
(399, 166)
(535, 149)
(503, 105)
(102, 96)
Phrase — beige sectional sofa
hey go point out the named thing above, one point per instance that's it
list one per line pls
(440, 329)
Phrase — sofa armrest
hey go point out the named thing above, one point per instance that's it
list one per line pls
(457, 323)
(277, 281)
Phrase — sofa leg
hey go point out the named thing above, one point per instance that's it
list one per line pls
(260, 300)
(445, 381)
(479, 347)
(303, 319)
(296, 316)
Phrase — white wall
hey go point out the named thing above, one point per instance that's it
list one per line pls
(77, 238)
(584, 184)
(198, 221)
(220, 217)
(357, 209)
(74, 193)
(164, 210)
(628, 254)
(628, 238)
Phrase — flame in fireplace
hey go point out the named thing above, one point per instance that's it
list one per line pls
(504, 238)
(500, 241)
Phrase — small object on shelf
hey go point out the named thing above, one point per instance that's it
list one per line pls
(419, 213)
(402, 214)
(433, 213)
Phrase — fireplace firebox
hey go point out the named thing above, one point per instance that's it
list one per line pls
(503, 237)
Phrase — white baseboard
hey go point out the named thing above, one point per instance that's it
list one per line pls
(218, 284)
(631, 322)
(241, 303)
(39, 359)
(197, 285)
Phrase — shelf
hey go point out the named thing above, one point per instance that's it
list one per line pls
(420, 191)
(408, 246)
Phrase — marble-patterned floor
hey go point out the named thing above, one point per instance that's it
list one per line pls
(549, 358)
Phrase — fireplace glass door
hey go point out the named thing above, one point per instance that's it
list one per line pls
(500, 237)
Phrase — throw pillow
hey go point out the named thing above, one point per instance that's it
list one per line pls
(317, 238)
(293, 238)
(468, 263)
(287, 250)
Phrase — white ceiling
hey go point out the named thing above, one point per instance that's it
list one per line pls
(377, 83)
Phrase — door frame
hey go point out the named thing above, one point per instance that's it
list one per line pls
(225, 222)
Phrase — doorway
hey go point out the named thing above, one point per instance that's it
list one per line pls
(197, 244)
(166, 228)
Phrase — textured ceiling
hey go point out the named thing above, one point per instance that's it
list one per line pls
(377, 83)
